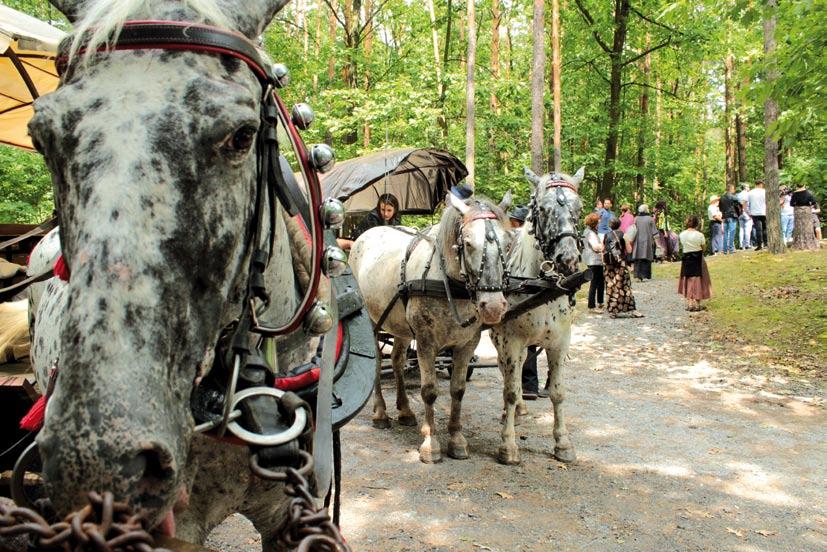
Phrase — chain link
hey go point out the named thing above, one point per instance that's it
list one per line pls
(102, 525)
(308, 528)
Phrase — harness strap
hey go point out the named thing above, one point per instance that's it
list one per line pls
(7, 293)
(44, 227)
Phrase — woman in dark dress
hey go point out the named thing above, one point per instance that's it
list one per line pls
(386, 213)
(802, 202)
(619, 297)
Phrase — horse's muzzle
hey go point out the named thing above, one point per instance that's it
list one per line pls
(492, 307)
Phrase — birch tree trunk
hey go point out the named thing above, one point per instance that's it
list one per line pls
(556, 59)
(537, 88)
(775, 240)
(470, 116)
(495, 53)
(435, 39)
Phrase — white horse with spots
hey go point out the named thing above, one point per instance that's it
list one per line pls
(468, 247)
(548, 240)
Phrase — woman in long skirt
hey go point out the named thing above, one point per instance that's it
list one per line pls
(619, 297)
(694, 283)
(804, 236)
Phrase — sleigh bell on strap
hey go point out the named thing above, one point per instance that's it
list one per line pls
(334, 261)
(302, 116)
(322, 157)
(318, 319)
(333, 213)
(281, 74)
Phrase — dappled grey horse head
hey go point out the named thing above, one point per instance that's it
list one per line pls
(153, 163)
(482, 238)
(555, 212)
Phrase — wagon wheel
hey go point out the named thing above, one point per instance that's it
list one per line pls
(27, 494)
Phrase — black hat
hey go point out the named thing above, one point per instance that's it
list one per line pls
(518, 213)
(462, 190)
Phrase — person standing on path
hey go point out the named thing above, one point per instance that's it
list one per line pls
(694, 282)
(757, 201)
(592, 258)
(787, 215)
(803, 202)
(605, 214)
(716, 225)
(619, 296)
(744, 221)
(643, 248)
(730, 211)
(627, 219)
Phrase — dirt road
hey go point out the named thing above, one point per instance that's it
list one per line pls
(681, 446)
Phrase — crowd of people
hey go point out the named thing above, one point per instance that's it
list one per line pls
(744, 214)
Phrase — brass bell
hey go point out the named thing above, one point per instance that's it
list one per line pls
(318, 320)
(322, 157)
(334, 261)
(302, 115)
(282, 75)
(333, 213)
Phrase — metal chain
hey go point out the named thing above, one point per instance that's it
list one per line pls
(102, 525)
(308, 528)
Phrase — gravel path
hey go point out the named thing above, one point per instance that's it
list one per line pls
(681, 446)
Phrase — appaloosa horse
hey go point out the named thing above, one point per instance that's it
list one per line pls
(547, 245)
(156, 158)
(468, 247)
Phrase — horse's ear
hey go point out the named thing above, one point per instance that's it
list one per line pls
(253, 16)
(69, 8)
(505, 204)
(457, 203)
(578, 176)
(531, 177)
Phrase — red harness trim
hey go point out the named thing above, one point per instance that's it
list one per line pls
(482, 215)
(61, 269)
(291, 383)
(560, 184)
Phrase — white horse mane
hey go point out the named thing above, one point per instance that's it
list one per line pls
(105, 20)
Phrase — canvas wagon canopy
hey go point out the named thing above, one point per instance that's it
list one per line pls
(27, 70)
(418, 177)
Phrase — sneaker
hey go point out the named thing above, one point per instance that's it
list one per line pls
(543, 393)
(529, 396)
(596, 311)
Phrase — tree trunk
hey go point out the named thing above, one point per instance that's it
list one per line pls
(537, 88)
(556, 58)
(368, 43)
(658, 114)
(442, 118)
(741, 132)
(495, 53)
(775, 240)
(470, 120)
(640, 178)
(729, 144)
(331, 61)
(435, 40)
(317, 48)
(621, 19)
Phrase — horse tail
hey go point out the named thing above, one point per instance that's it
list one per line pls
(14, 329)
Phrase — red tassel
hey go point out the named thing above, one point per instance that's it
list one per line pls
(61, 270)
(33, 421)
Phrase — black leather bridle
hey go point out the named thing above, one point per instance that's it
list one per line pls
(549, 245)
(473, 281)
(270, 183)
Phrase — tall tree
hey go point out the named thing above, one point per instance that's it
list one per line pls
(741, 134)
(729, 142)
(496, 16)
(537, 75)
(442, 117)
(556, 60)
(640, 177)
(775, 240)
(470, 115)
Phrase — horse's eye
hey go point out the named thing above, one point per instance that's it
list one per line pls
(241, 140)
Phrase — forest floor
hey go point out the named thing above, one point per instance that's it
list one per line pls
(684, 442)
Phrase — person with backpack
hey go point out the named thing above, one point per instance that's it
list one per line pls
(619, 296)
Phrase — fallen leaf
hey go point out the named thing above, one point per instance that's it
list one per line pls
(737, 533)
(481, 546)
(562, 466)
(505, 495)
(765, 533)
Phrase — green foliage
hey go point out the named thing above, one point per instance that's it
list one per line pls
(25, 187)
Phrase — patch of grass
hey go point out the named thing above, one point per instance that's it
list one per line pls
(770, 301)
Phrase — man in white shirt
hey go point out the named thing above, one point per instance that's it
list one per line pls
(716, 229)
(757, 204)
(744, 221)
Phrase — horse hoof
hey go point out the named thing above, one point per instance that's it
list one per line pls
(381, 423)
(407, 420)
(458, 451)
(508, 456)
(566, 455)
(429, 451)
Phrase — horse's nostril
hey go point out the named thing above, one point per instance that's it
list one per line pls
(156, 469)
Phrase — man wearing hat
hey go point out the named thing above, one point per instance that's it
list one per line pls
(517, 216)
(716, 228)
(462, 190)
